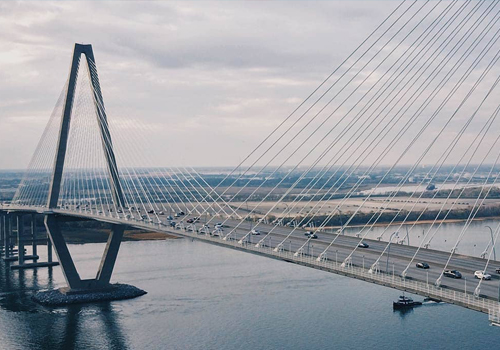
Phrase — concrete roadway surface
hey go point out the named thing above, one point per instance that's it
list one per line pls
(399, 257)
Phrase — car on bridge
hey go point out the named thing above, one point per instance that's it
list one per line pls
(312, 235)
(189, 221)
(497, 270)
(482, 275)
(363, 245)
(452, 273)
(255, 232)
(422, 265)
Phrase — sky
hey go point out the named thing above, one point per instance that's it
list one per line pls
(201, 75)
(203, 83)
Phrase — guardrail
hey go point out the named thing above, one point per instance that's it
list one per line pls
(494, 316)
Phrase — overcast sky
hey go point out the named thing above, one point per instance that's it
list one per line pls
(207, 81)
(203, 75)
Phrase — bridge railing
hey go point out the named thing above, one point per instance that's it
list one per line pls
(494, 316)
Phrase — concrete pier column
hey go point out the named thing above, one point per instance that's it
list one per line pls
(20, 239)
(63, 255)
(49, 249)
(110, 253)
(8, 235)
(33, 235)
(2, 232)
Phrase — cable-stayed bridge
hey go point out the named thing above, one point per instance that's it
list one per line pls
(414, 104)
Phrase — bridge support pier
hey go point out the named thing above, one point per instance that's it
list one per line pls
(85, 290)
(20, 239)
(8, 244)
(23, 239)
(2, 232)
(75, 283)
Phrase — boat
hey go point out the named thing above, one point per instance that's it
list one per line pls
(405, 303)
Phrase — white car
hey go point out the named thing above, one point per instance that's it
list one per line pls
(255, 232)
(482, 275)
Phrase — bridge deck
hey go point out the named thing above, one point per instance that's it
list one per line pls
(454, 291)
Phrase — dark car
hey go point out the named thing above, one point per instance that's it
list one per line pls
(363, 245)
(189, 221)
(497, 270)
(452, 274)
(312, 235)
(173, 223)
(422, 265)
(308, 233)
(182, 213)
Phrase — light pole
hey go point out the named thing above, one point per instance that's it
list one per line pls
(251, 222)
(407, 235)
(285, 210)
(389, 250)
(341, 223)
(492, 243)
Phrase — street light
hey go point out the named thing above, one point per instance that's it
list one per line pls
(341, 223)
(492, 243)
(389, 250)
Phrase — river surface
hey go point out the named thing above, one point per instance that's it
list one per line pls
(207, 297)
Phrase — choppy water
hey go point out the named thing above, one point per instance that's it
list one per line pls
(207, 297)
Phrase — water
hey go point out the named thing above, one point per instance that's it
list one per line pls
(207, 297)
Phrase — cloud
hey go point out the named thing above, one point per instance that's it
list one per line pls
(209, 80)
